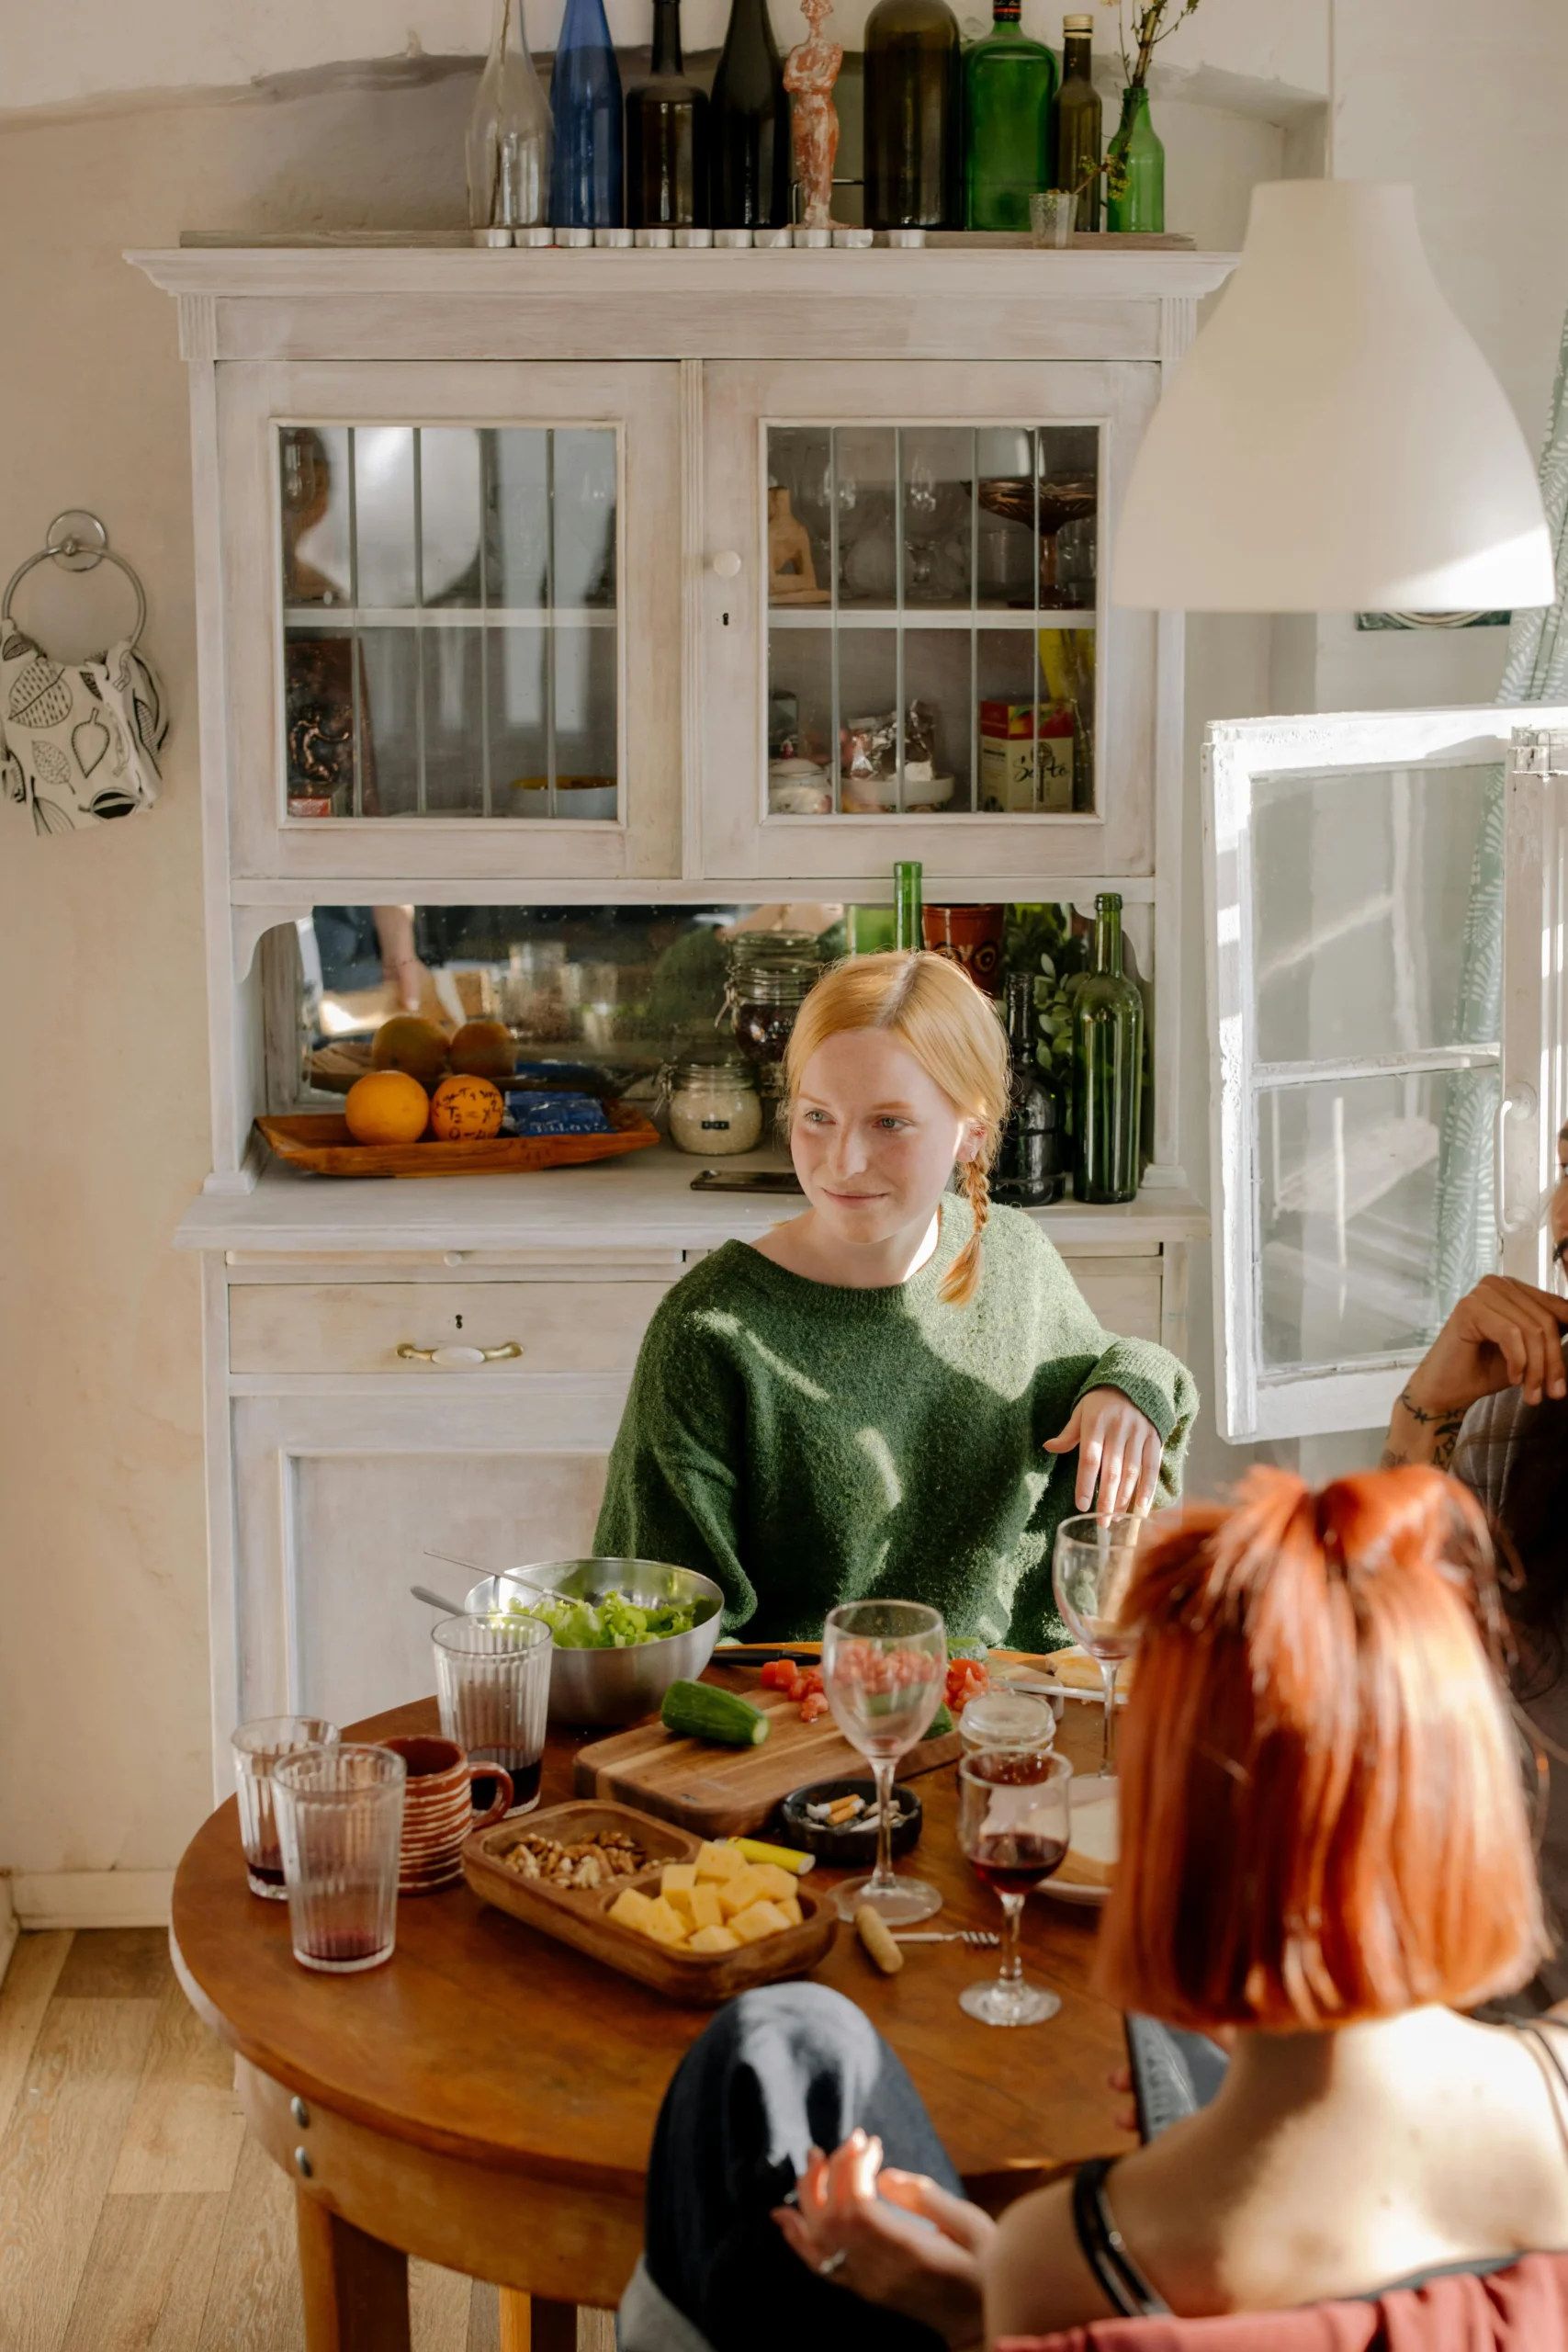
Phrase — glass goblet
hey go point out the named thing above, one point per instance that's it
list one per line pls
(883, 1665)
(1014, 1826)
(1090, 1571)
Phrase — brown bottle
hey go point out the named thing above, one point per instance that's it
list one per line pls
(913, 115)
(1079, 118)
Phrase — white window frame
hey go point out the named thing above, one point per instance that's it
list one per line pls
(1250, 1403)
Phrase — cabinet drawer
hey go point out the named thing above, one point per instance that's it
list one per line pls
(1125, 1292)
(359, 1327)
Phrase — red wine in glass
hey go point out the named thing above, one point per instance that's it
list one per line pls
(1013, 1825)
(1016, 1865)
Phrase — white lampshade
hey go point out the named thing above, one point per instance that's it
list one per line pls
(1334, 441)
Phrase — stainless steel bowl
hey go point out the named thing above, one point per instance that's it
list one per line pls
(613, 1686)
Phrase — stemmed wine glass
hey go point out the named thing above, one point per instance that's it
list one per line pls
(1090, 1571)
(1015, 1826)
(883, 1665)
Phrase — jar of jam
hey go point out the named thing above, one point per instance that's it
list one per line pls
(767, 998)
(746, 949)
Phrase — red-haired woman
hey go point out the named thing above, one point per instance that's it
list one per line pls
(1323, 1848)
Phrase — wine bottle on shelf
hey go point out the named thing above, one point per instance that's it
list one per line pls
(509, 132)
(1134, 196)
(1080, 119)
(585, 102)
(914, 116)
(748, 126)
(908, 914)
(1030, 1164)
(667, 137)
(1107, 1067)
(1009, 82)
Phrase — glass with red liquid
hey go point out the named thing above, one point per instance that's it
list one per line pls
(257, 1748)
(340, 1822)
(1014, 1826)
(492, 1679)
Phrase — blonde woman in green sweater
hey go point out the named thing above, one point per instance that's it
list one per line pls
(900, 1392)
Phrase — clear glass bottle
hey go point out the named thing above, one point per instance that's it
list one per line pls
(1107, 1067)
(908, 914)
(1031, 1165)
(1079, 118)
(667, 137)
(509, 132)
(585, 102)
(749, 138)
(1009, 82)
(914, 117)
(1134, 196)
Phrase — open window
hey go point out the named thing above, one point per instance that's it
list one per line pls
(1387, 896)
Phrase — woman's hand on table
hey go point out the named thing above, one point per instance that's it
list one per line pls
(1502, 1334)
(864, 2227)
(1120, 1452)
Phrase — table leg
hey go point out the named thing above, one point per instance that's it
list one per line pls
(356, 2290)
(529, 2323)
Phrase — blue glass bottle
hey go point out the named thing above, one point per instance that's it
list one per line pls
(586, 101)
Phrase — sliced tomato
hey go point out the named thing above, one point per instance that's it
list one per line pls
(812, 1705)
(778, 1674)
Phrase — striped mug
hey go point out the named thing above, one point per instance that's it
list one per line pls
(438, 1810)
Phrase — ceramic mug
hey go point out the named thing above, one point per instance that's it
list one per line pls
(438, 1810)
(971, 936)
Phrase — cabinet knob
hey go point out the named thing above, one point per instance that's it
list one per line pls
(727, 564)
(456, 1359)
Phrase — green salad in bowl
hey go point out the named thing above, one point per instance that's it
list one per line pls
(613, 1624)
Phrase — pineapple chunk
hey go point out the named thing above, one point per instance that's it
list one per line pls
(664, 1923)
(739, 1893)
(760, 1919)
(779, 1885)
(718, 1862)
(631, 1909)
(705, 1908)
(678, 1878)
(791, 1908)
(715, 1939)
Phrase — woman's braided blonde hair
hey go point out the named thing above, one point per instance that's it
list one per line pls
(934, 1009)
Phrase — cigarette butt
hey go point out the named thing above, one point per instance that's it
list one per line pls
(844, 1809)
(877, 1937)
(757, 1850)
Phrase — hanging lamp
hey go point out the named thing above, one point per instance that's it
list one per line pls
(1334, 441)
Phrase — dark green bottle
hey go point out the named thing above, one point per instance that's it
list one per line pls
(1031, 1165)
(914, 117)
(908, 914)
(1135, 197)
(667, 137)
(1079, 123)
(1107, 1067)
(1009, 82)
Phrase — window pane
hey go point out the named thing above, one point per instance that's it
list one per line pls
(450, 515)
(1375, 1212)
(1377, 911)
(519, 496)
(938, 464)
(519, 755)
(313, 487)
(383, 515)
(583, 505)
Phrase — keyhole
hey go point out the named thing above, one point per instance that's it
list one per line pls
(726, 620)
(458, 1321)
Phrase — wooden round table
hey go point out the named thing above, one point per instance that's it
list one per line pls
(487, 2099)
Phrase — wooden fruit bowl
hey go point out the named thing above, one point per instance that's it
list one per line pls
(580, 1916)
(319, 1141)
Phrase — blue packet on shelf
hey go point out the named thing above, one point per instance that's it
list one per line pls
(538, 1113)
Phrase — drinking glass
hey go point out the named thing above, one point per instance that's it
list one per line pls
(884, 1662)
(340, 1821)
(1051, 214)
(1090, 1572)
(1013, 1824)
(257, 1748)
(492, 1677)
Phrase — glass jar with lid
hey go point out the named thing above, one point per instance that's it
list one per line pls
(767, 999)
(1023, 1719)
(713, 1105)
(744, 950)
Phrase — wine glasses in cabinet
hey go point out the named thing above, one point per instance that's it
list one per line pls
(1090, 1572)
(1014, 1827)
(882, 1668)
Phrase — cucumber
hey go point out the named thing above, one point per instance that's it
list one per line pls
(697, 1711)
(940, 1724)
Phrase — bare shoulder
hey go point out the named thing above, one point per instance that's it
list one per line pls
(1036, 2276)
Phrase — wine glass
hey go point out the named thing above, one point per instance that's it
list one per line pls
(1014, 1825)
(883, 1667)
(1090, 1572)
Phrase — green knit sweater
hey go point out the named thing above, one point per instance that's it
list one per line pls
(805, 1444)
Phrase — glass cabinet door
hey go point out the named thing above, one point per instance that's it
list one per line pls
(459, 685)
(919, 639)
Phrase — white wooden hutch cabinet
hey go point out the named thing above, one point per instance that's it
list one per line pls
(517, 506)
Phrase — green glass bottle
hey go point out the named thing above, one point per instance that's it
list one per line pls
(1080, 121)
(1134, 198)
(913, 117)
(1107, 1067)
(908, 914)
(1009, 82)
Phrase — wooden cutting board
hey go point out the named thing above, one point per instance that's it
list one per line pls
(731, 1791)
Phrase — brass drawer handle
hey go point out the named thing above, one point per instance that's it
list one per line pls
(457, 1359)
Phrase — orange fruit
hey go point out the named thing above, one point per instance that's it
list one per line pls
(387, 1107)
(483, 1049)
(465, 1109)
(409, 1044)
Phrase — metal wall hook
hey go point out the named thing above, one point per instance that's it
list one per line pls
(77, 541)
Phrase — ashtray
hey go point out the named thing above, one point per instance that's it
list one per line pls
(856, 1841)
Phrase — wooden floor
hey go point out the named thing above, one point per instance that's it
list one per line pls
(135, 2213)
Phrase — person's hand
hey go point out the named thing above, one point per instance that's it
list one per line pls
(1502, 1334)
(864, 2228)
(1119, 1451)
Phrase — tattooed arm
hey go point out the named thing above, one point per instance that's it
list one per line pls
(1420, 1433)
(1504, 1334)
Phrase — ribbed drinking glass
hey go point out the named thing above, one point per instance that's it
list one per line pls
(492, 1677)
(257, 1748)
(340, 1821)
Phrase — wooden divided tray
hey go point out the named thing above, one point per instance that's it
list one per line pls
(731, 1791)
(580, 1916)
(319, 1142)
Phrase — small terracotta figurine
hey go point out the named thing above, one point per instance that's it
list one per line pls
(811, 70)
(792, 571)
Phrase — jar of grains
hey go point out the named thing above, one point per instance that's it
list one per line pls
(768, 997)
(714, 1106)
(1010, 1719)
